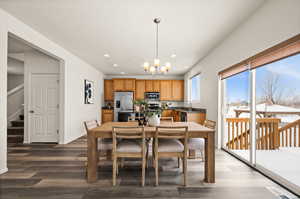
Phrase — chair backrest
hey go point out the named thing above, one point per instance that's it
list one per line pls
(210, 124)
(172, 132)
(126, 132)
(90, 124)
(169, 119)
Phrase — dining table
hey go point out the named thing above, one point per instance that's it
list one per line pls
(195, 130)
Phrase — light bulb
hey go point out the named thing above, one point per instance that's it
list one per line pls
(152, 69)
(156, 62)
(146, 66)
(168, 66)
(163, 69)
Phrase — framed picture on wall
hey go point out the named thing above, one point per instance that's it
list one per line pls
(88, 92)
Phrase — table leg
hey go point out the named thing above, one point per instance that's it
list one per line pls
(92, 159)
(210, 158)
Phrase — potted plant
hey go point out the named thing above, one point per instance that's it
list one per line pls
(151, 116)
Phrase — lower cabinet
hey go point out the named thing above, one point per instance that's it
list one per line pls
(107, 115)
(196, 117)
(167, 113)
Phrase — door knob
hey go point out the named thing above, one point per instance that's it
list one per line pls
(31, 111)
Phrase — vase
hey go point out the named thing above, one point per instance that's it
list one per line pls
(154, 120)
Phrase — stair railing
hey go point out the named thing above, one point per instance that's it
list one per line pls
(290, 134)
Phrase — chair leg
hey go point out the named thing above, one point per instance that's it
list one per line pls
(156, 171)
(202, 156)
(178, 162)
(147, 156)
(122, 162)
(185, 171)
(143, 171)
(114, 170)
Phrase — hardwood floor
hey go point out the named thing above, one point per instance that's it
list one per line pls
(58, 171)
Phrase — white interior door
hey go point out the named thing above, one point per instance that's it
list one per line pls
(44, 108)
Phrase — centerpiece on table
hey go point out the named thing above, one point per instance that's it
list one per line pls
(150, 116)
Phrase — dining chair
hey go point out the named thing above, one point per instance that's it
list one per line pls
(198, 143)
(104, 145)
(167, 144)
(128, 142)
(169, 119)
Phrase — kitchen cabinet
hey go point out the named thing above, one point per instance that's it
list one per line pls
(177, 90)
(176, 116)
(107, 115)
(118, 84)
(124, 84)
(166, 90)
(108, 90)
(140, 89)
(152, 86)
(196, 117)
(167, 113)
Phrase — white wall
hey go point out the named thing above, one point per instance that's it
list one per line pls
(274, 22)
(74, 72)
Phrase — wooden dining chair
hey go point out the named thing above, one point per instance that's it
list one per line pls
(128, 142)
(168, 119)
(198, 143)
(167, 144)
(104, 145)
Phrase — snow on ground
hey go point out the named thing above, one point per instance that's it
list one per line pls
(284, 162)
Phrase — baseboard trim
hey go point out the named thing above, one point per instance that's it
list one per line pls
(4, 170)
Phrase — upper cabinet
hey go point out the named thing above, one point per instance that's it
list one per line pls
(178, 90)
(124, 84)
(140, 89)
(166, 90)
(152, 86)
(170, 90)
(108, 90)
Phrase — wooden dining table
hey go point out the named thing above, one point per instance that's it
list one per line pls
(195, 131)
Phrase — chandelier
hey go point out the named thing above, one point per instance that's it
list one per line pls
(156, 67)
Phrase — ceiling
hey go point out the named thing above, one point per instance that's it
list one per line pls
(124, 29)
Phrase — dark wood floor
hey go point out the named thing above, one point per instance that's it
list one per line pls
(44, 171)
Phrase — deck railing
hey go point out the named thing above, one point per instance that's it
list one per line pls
(267, 133)
(290, 134)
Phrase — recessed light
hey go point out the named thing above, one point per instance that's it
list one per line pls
(115, 65)
(173, 55)
(106, 55)
(122, 73)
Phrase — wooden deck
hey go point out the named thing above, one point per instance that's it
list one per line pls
(52, 171)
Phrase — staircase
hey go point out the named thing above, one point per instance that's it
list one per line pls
(15, 133)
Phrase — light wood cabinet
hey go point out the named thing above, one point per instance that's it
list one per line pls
(118, 84)
(177, 90)
(107, 115)
(196, 117)
(165, 89)
(129, 84)
(149, 86)
(140, 89)
(152, 86)
(108, 90)
(124, 84)
(167, 113)
(156, 85)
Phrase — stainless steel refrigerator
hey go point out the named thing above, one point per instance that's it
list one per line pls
(123, 106)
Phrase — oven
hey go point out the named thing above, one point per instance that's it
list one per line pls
(152, 96)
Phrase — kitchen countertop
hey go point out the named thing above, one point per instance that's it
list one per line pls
(187, 110)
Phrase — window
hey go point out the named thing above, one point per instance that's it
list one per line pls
(195, 88)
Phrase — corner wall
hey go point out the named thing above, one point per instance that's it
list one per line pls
(74, 72)
(271, 24)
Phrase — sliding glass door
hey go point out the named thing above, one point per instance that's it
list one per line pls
(236, 114)
(278, 118)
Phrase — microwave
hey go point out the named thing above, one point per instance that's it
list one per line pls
(154, 96)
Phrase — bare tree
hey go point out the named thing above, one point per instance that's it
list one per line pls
(272, 92)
